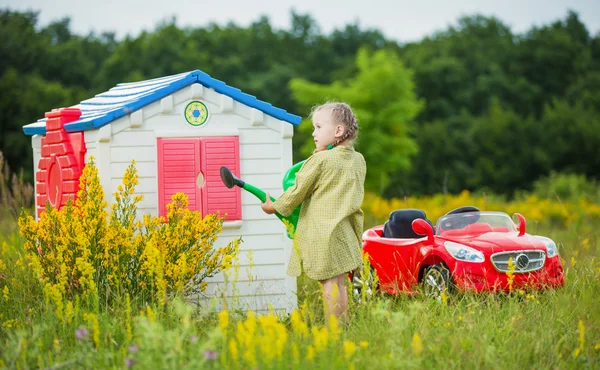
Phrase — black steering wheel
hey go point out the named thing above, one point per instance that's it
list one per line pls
(470, 217)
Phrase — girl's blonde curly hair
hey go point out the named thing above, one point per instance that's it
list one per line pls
(342, 114)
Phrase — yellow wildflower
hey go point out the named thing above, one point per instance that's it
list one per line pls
(298, 325)
(233, 349)
(334, 328)
(53, 294)
(310, 353)
(586, 244)
(11, 324)
(581, 335)
(510, 274)
(69, 311)
(82, 246)
(320, 337)
(128, 327)
(444, 297)
(150, 314)
(92, 320)
(349, 349)
(416, 345)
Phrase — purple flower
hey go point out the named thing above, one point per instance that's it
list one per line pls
(133, 348)
(81, 333)
(194, 339)
(130, 362)
(211, 355)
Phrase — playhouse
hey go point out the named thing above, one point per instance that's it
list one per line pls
(180, 130)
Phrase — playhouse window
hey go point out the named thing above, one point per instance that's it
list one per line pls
(191, 166)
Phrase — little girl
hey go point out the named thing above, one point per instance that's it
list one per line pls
(330, 187)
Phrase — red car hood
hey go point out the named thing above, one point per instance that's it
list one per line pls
(494, 242)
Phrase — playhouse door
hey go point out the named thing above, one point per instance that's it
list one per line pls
(192, 166)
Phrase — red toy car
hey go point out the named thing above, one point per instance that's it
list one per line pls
(467, 250)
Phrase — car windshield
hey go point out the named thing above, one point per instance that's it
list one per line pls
(475, 222)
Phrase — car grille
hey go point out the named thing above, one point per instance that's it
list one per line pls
(525, 261)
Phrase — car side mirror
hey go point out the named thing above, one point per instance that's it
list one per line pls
(522, 223)
(422, 227)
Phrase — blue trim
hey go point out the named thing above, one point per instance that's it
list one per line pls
(126, 98)
(34, 130)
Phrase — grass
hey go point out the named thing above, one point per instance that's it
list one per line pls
(547, 329)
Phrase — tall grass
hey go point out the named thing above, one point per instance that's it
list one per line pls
(14, 195)
(557, 329)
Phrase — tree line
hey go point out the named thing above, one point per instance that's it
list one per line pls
(475, 106)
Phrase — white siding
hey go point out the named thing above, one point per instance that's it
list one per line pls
(260, 151)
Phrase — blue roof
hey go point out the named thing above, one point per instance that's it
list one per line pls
(128, 97)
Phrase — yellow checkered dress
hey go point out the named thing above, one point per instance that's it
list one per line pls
(328, 239)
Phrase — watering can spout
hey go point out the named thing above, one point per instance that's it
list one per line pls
(229, 178)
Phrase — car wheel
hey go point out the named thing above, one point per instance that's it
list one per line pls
(366, 284)
(436, 280)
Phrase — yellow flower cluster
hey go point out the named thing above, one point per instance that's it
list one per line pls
(81, 247)
(5, 293)
(510, 274)
(416, 344)
(65, 242)
(581, 329)
(179, 254)
(264, 340)
(93, 323)
(532, 207)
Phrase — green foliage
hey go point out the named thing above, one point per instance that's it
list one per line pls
(569, 187)
(572, 132)
(24, 99)
(478, 81)
(382, 96)
(15, 194)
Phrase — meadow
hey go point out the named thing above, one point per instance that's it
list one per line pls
(88, 287)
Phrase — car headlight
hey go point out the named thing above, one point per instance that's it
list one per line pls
(464, 253)
(552, 251)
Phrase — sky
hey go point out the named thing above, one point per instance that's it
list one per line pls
(401, 20)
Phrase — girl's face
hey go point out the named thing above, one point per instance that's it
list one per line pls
(325, 131)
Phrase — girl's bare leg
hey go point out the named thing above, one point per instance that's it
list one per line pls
(335, 297)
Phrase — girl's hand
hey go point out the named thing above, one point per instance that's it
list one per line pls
(267, 206)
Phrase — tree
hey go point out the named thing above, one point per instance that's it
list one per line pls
(572, 137)
(442, 164)
(382, 95)
(21, 46)
(508, 152)
(25, 99)
(483, 85)
(553, 57)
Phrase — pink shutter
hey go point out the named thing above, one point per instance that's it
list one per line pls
(217, 152)
(178, 169)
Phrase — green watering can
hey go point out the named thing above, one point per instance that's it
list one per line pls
(288, 180)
